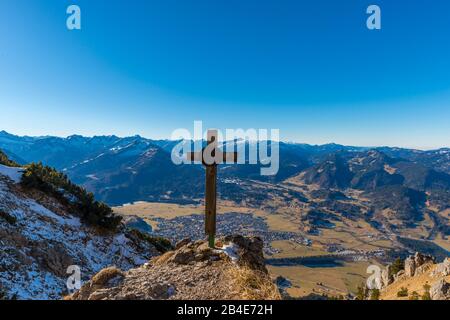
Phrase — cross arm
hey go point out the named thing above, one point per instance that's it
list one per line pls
(222, 157)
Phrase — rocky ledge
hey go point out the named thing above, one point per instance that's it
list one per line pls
(235, 269)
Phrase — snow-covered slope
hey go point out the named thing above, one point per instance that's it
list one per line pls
(15, 174)
(40, 240)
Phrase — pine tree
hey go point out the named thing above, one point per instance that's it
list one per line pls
(426, 295)
(375, 294)
(58, 185)
(396, 266)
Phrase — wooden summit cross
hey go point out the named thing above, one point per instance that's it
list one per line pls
(211, 156)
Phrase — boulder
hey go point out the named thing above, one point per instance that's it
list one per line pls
(440, 290)
(182, 243)
(184, 255)
(250, 251)
(442, 269)
(412, 263)
(421, 259)
(423, 268)
(410, 267)
(386, 277)
(399, 275)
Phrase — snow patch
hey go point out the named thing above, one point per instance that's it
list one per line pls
(231, 250)
(15, 174)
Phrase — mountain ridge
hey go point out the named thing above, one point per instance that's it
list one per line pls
(401, 188)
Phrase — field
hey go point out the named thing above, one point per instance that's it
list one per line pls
(307, 281)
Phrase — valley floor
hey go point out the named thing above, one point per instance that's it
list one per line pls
(359, 244)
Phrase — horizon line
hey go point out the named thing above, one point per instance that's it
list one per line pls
(168, 139)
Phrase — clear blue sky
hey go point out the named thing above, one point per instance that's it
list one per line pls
(310, 68)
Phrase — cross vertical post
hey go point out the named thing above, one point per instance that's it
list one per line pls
(210, 198)
(211, 156)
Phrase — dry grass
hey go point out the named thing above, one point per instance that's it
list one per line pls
(105, 275)
(163, 258)
(253, 285)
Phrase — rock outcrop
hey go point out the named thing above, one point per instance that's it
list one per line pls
(413, 263)
(233, 270)
(421, 278)
(386, 276)
(440, 290)
(442, 269)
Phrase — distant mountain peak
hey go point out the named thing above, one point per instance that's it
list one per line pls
(7, 134)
